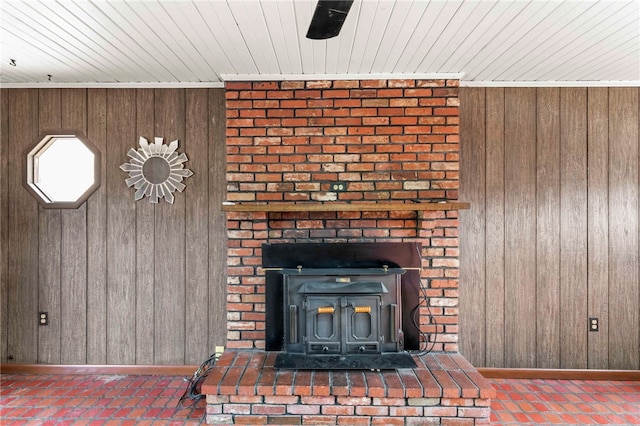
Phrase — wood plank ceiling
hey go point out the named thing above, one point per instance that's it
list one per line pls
(485, 42)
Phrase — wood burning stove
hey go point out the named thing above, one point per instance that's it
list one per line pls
(338, 318)
(341, 317)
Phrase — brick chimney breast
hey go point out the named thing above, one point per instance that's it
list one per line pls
(386, 140)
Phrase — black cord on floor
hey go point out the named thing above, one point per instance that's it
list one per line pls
(193, 392)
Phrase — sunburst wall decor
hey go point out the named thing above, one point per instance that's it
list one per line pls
(156, 170)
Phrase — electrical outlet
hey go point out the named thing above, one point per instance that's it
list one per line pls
(338, 186)
(594, 324)
(219, 351)
(43, 318)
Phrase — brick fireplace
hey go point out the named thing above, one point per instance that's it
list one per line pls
(343, 162)
(386, 140)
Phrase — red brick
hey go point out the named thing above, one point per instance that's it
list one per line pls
(339, 383)
(346, 84)
(213, 399)
(320, 103)
(387, 149)
(337, 112)
(418, 129)
(390, 93)
(240, 122)
(447, 111)
(276, 130)
(285, 419)
(432, 102)
(266, 383)
(405, 138)
(268, 122)
(280, 113)
(319, 84)
(266, 85)
(335, 93)
(363, 130)
(372, 410)
(319, 420)
(474, 412)
(238, 104)
(280, 94)
(211, 409)
(308, 94)
(353, 420)
(391, 111)
(305, 409)
(321, 121)
(376, 102)
(347, 103)
(373, 83)
(302, 383)
(445, 129)
(373, 121)
(294, 122)
(445, 92)
(253, 94)
(388, 130)
(334, 131)
(340, 410)
(346, 400)
(418, 93)
(236, 408)
(363, 112)
(440, 411)
(406, 411)
(388, 421)
(319, 400)
(457, 422)
(320, 383)
(400, 402)
(292, 84)
(363, 93)
(430, 120)
(267, 409)
(284, 382)
(266, 104)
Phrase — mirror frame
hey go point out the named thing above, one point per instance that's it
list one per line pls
(164, 188)
(29, 168)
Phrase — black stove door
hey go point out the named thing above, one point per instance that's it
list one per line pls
(324, 322)
(362, 331)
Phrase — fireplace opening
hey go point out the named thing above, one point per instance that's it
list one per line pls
(342, 305)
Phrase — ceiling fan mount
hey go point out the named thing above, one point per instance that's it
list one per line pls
(328, 19)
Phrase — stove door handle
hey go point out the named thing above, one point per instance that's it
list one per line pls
(362, 309)
(326, 309)
(293, 321)
(393, 335)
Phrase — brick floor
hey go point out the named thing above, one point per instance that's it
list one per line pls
(95, 400)
(565, 402)
(152, 400)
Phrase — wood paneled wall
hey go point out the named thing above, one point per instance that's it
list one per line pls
(124, 282)
(552, 236)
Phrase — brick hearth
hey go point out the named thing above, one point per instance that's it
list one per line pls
(245, 388)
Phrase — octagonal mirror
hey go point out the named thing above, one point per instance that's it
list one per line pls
(63, 170)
